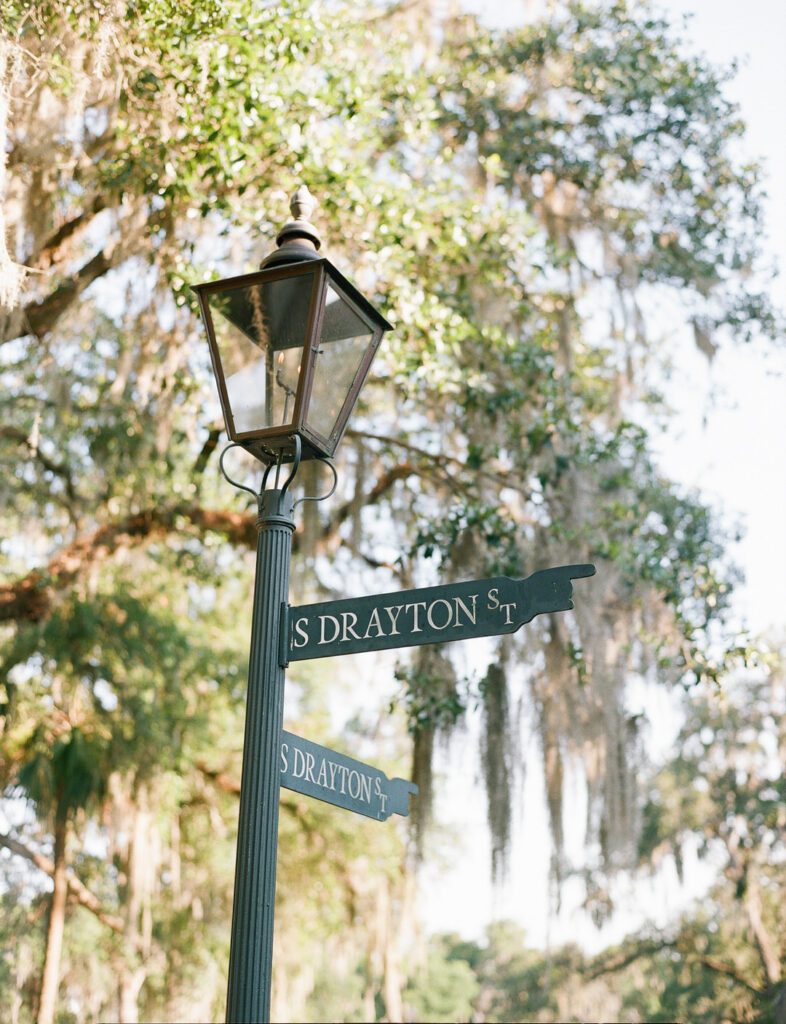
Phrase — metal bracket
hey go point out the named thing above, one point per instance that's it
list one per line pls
(283, 637)
(227, 477)
(323, 497)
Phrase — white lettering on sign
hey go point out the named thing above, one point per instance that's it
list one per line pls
(472, 616)
(506, 609)
(333, 777)
(354, 790)
(349, 627)
(417, 604)
(393, 618)
(382, 797)
(323, 639)
(365, 788)
(426, 615)
(441, 615)
(374, 623)
(300, 630)
(430, 614)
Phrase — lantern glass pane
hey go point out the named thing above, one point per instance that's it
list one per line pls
(342, 345)
(260, 332)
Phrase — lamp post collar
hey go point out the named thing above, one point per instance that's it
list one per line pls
(298, 240)
(275, 508)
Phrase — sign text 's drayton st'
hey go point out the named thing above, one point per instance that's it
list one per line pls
(456, 611)
(309, 768)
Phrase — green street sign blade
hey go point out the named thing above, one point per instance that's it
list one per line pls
(317, 771)
(429, 615)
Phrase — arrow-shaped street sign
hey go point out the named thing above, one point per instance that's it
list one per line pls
(313, 770)
(408, 618)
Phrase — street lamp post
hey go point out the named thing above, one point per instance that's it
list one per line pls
(291, 347)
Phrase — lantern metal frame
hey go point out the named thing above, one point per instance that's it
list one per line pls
(276, 443)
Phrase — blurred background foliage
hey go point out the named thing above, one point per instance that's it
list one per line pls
(532, 208)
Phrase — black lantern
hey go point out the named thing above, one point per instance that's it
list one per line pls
(291, 346)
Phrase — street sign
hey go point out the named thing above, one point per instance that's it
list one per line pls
(429, 615)
(313, 770)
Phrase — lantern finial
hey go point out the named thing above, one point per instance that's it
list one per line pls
(302, 204)
(298, 240)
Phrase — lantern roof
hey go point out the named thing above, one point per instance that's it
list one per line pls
(278, 271)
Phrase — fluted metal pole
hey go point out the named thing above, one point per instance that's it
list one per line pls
(251, 949)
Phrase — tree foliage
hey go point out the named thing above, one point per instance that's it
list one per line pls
(719, 795)
(525, 205)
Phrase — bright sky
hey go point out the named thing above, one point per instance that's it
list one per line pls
(727, 439)
(739, 456)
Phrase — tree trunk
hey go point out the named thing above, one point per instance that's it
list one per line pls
(767, 948)
(54, 938)
(393, 985)
(132, 971)
(130, 982)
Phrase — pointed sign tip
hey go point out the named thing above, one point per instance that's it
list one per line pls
(578, 572)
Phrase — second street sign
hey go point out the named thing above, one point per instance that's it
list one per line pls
(314, 770)
(456, 611)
